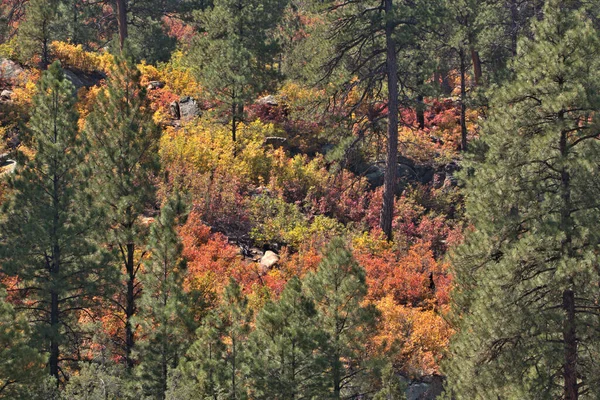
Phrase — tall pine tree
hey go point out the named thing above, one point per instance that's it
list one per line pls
(162, 303)
(124, 140)
(235, 57)
(527, 277)
(216, 365)
(338, 289)
(285, 363)
(48, 225)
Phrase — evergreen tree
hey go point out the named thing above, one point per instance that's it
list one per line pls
(124, 140)
(48, 225)
(38, 30)
(22, 365)
(216, 365)
(338, 289)
(162, 303)
(235, 56)
(284, 362)
(376, 47)
(527, 279)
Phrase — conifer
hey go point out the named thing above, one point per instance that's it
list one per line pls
(216, 365)
(338, 289)
(162, 303)
(123, 138)
(285, 363)
(527, 279)
(47, 232)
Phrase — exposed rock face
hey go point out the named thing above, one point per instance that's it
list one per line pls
(10, 71)
(79, 79)
(269, 100)
(153, 85)
(5, 95)
(426, 388)
(268, 261)
(174, 110)
(188, 108)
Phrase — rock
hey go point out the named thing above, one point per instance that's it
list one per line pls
(274, 141)
(80, 79)
(427, 388)
(188, 108)
(268, 261)
(7, 166)
(269, 100)
(153, 85)
(10, 70)
(174, 110)
(5, 95)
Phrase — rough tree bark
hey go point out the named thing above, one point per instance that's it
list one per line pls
(389, 186)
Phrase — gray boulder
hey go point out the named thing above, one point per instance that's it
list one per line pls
(10, 71)
(268, 261)
(188, 108)
(5, 95)
(153, 85)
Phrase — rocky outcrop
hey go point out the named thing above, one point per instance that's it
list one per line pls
(425, 388)
(80, 79)
(188, 108)
(5, 95)
(268, 261)
(185, 109)
(153, 85)
(269, 100)
(10, 71)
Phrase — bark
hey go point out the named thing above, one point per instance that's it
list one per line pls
(476, 66)
(463, 106)
(389, 186)
(122, 21)
(130, 307)
(420, 109)
(570, 350)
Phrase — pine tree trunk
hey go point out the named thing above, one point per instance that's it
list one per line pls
(122, 21)
(570, 342)
(130, 308)
(476, 66)
(463, 106)
(55, 270)
(54, 322)
(234, 123)
(420, 111)
(389, 186)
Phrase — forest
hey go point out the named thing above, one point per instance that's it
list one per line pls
(299, 199)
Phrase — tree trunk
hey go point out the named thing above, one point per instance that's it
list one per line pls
(463, 106)
(420, 109)
(54, 322)
(389, 185)
(122, 21)
(476, 66)
(570, 341)
(130, 308)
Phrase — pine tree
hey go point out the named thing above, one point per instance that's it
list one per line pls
(162, 303)
(235, 57)
(47, 232)
(372, 41)
(22, 365)
(285, 363)
(124, 140)
(216, 365)
(38, 30)
(338, 289)
(527, 278)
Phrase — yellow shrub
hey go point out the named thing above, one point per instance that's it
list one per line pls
(74, 56)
